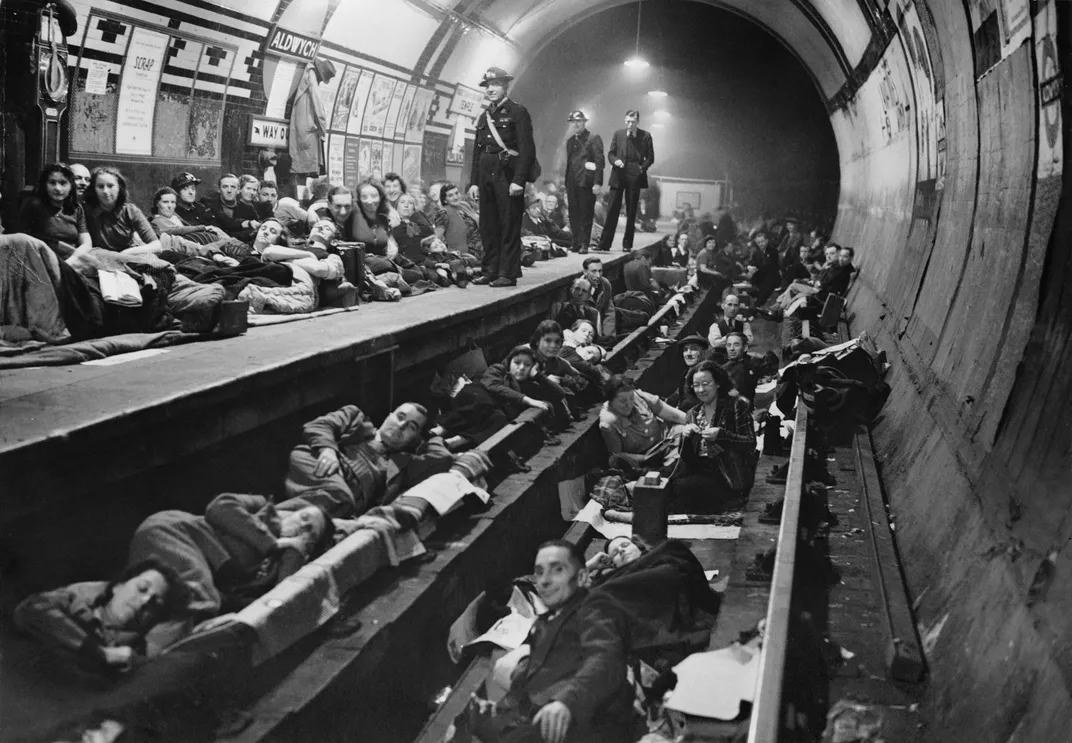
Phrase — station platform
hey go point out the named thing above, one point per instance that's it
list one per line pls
(88, 450)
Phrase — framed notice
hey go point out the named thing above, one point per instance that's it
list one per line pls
(418, 114)
(137, 92)
(360, 102)
(392, 112)
(434, 156)
(336, 153)
(467, 102)
(379, 103)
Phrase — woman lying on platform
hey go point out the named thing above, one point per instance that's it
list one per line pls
(239, 549)
(103, 623)
(617, 552)
(718, 456)
(633, 424)
(582, 353)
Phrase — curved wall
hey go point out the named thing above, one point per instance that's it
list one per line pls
(949, 125)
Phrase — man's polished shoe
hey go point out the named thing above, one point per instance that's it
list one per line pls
(485, 280)
(584, 250)
(503, 281)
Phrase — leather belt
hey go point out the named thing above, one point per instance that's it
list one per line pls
(489, 150)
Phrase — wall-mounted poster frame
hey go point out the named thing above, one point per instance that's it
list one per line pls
(152, 93)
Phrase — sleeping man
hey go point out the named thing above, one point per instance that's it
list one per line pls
(347, 466)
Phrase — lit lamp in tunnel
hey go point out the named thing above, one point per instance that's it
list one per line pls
(636, 62)
(658, 93)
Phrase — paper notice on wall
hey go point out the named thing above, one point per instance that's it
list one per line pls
(281, 84)
(397, 98)
(379, 103)
(137, 93)
(97, 77)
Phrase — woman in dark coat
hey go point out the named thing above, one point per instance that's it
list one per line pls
(517, 383)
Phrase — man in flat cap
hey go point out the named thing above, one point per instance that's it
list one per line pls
(504, 160)
(584, 178)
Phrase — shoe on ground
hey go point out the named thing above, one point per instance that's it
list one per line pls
(486, 279)
(502, 281)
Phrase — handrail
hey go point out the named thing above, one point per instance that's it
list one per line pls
(766, 719)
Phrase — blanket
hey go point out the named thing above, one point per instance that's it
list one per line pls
(233, 279)
(666, 596)
(30, 278)
(17, 357)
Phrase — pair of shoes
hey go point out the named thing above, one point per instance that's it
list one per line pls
(485, 279)
(503, 281)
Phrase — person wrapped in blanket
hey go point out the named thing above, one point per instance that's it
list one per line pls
(519, 382)
(634, 425)
(242, 546)
(581, 351)
(718, 454)
(347, 465)
(52, 277)
(103, 624)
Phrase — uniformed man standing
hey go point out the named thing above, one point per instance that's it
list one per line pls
(504, 157)
(584, 178)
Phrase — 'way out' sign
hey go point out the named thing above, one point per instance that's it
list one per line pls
(291, 44)
(265, 132)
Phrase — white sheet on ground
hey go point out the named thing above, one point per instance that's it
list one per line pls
(713, 684)
(592, 514)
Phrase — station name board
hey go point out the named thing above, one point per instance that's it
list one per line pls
(291, 44)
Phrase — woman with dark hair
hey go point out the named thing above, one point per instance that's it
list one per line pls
(632, 421)
(103, 623)
(238, 550)
(718, 457)
(456, 224)
(517, 383)
(370, 222)
(53, 213)
(112, 220)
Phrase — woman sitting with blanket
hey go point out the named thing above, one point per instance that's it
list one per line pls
(634, 424)
(239, 549)
(718, 456)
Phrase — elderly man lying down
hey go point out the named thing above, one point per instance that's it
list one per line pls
(347, 465)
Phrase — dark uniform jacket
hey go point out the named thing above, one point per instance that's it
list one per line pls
(195, 214)
(637, 155)
(514, 125)
(581, 149)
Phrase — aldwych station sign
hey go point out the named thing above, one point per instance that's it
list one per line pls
(292, 44)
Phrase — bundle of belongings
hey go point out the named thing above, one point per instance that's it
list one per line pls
(841, 385)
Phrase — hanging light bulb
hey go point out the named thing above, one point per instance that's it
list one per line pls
(636, 61)
(658, 93)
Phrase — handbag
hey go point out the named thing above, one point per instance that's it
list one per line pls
(535, 172)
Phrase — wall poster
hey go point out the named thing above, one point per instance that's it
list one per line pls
(418, 114)
(329, 91)
(351, 170)
(379, 103)
(403, 113)
(411, 163)
(388, 165)
(392, 112)
(347, 86)
(138, 91)
(434, 156)
(364, 164)
(336, 155)
(360, 102)
(377, 160)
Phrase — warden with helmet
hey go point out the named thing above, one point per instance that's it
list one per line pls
(584, 178)
(504, 160)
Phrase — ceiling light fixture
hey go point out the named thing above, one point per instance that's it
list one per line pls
(636, 61)
(658, 93)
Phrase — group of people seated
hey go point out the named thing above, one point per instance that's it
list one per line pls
(112, 268)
